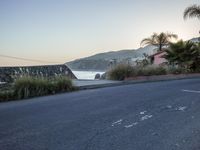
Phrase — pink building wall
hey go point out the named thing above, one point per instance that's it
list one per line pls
(158, 59)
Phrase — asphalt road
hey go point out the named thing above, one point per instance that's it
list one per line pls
(147, 116)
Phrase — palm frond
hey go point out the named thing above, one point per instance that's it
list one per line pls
(192, 11)
(147, 41)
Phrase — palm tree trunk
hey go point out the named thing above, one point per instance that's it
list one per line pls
(160, 47)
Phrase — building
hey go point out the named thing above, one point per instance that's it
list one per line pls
(157, 58)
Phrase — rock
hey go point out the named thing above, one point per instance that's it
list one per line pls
(104, 76)
(97, 76)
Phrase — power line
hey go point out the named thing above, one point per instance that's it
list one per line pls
(26, 59)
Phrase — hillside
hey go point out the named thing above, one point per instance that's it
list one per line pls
(195, 39)
(101, 61)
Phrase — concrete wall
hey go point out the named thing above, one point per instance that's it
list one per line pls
(8, 74)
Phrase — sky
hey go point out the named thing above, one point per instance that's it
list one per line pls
(58, 31)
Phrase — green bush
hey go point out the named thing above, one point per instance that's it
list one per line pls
(197, 70)
(151, 70)
(121, 72)
(62, 84)
(174, 70)
(26, 87)
(30, 86)
(6, 95)
(124, 71)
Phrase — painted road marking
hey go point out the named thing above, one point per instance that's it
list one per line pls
(131, 125)
(191, 91)
(181, 108)
(169, 106)
(143, 112)
(146, 117)
(117, 122)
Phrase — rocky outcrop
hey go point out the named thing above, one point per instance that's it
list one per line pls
(97, 76)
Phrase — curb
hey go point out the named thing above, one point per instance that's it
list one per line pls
(129, 82)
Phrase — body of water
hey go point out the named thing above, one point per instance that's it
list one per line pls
(87, 75)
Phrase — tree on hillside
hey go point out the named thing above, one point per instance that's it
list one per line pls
(192, 12)
(159, 40)
(185, 54)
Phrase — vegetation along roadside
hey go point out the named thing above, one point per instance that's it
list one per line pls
(27, 87)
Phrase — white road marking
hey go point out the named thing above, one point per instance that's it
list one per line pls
(131, 125)
(143, 112)
(117, 122)
(146, 117)
(169, 106)
(181, 108)
(191, 91)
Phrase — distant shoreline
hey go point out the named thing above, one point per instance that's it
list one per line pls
(89, 70)
(89, 75)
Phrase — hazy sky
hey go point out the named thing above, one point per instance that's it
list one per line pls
(63, 30)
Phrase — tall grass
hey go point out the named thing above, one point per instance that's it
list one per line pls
(29, 86)
(26, 87)
(6, 95)
(177, 70)
(121, 72)
(125, 71)
(62, 84)
(151, 70)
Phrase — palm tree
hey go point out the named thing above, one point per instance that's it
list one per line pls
(192, 11)
(184, 54)
(159, 40)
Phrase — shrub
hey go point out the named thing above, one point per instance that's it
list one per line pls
(121, 72)
(29, 86)
(124, 71)
(62, 84)
(197, 70)
(26, 87)
(151, 70)
(160, 71)
(176, 70)
(104, 76)
(6, 95)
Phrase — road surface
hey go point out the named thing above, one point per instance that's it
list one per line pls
(146, 116)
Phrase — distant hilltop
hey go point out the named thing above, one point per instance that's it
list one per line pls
(195, 39)
(101, 61)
